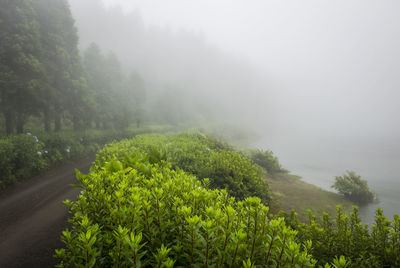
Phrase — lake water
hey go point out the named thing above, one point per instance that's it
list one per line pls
(319, 160)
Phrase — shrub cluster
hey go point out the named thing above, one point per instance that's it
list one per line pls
(266, 160)
(351, 186)
(138, 210)
(133, 212)
(22, 156)
(378, 246)
(19, 158)
(201, 156)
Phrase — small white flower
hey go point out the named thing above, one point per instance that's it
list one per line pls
(39, 153)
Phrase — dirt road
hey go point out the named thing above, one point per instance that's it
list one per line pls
(32, 217)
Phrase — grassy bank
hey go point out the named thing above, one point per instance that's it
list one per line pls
(290, 192)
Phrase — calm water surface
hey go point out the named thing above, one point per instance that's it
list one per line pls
(319, 160)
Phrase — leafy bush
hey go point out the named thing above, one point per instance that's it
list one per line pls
(19, 157)
(7, 166)
(132, 213)
(201, 156)
(347, 236)
(354, 188)
(27, 156)
(22, 156)
(234, 172)
(138, 210)
(190, 151)
(266, 160)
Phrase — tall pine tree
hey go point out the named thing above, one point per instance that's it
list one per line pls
(66, 85)
(20, 68)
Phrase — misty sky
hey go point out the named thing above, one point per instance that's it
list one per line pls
(331, 66)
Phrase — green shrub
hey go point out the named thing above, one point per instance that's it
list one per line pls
(138, 210)
(351, 186)
(266, 160)
(22, 156)
(345, 235)
(201, 156)
(234, 172)
(7, 165)
(132, 213)
(28, 156)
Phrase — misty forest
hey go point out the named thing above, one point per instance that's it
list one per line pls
(209, 133)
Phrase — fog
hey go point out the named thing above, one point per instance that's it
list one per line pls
(197, 79)
(317, 79)
(316, 67)
(293, 94)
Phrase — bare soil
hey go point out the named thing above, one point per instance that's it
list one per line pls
(33, 215)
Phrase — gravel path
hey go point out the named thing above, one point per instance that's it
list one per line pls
(32, 216)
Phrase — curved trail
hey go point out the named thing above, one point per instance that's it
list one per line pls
(32, 216)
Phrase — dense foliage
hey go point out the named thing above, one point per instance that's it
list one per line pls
(117, 100)
(22, 156)
(42, 75)
(202, 156)
(19, 159)
(136, 209)
(39, 63)
(20, 66)
(354, 188)
(133, 212)
(378, 246)
(266, 160)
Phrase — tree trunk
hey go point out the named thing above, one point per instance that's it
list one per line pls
(9, 122)
(20, 124)
(57, 117)
(75, 122)
(57, 122)
(46, 120)
(105, 124)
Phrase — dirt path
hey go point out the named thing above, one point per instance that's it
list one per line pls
(32, 216)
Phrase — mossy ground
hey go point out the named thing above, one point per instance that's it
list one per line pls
(290, 192)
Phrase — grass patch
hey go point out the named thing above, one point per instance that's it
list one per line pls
(290, 192)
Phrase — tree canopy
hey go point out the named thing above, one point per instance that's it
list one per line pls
(42, 73)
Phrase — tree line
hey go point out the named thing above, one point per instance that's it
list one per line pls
(43, 75)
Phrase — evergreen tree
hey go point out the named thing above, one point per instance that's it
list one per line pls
(136, 88)
(41, 72)
(116, 109)
(65, 84)
(94, 62)
(118, 100)
(20, 68)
